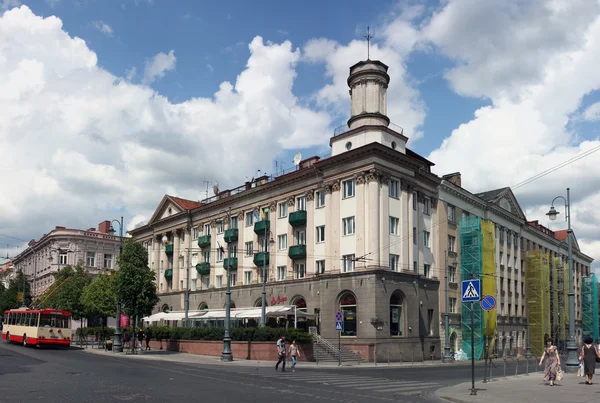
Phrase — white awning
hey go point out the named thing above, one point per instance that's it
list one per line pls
(239, 313)
(173, 316)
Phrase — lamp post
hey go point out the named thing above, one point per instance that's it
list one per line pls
(226, 354)
(447, 357)
(117, 345)
(572, 363)
(263, 312)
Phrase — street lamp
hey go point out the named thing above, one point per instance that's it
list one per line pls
(226, 354)
(572, 363)
(117, 345)
(447, 357)
(263, 313)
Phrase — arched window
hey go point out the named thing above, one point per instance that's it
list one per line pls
(300, 303)
(202, 306)
(396, 314)
(258, 302)
(232, 305)
(348, 310)
(165, 308)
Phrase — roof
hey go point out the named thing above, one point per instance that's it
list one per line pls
(491, 195)
(561, 234)
(184, 203)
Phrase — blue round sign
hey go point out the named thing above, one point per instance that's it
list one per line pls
(488, 302)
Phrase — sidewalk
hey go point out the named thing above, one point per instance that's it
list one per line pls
(171, 356)
(525, 389)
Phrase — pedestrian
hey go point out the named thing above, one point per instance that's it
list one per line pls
(126, 340)
(552, 362)
(148, 337)
(295, 354)
(281, 353)
(588, 355)
(140, 337)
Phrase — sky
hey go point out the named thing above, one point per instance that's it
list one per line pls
(109, 105)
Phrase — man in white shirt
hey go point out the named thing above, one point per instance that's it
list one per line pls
(281, 353)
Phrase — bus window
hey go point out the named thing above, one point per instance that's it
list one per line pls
(60, 321)
(36, 319)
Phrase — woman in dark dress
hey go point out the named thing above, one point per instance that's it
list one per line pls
(588, 355)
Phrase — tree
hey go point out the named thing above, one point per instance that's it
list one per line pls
(135, 282)
(9, 296)
(67, 290)
(99, 297)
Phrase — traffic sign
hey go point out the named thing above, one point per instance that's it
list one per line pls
(471, 290)
(488, 302)
(338, 317)
(338, 321)
(338, 326)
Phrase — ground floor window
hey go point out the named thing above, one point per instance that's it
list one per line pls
(348, 310)
(396, 315)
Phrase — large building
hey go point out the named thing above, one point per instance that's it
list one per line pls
(347, 235)
(95, 249)
(7, 273)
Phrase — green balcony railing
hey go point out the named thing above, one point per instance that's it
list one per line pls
(204, 241)
(231, 235)
(261, 259)
(203, 269)
(297, 252)
(262, 226)
(230, 264)
(169, 274)
(298, 218)
(169, 249)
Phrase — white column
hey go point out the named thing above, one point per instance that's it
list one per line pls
(156, 253)
(176, 248)
(373, 220)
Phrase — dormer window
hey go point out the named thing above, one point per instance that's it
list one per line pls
(348, 145)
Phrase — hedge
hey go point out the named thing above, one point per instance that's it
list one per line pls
(236, 333)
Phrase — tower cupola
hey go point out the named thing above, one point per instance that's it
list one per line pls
(368, 82)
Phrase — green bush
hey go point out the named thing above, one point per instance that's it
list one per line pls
(236, 333)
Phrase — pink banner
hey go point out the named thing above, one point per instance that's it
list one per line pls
(124, 320)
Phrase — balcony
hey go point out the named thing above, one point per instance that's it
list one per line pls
(231, 235)
(204, 241)
(261, 259)
(230, 264)
(169, 249)
(297, 252)
(298, 218)
(203, 269)
(262, 226)
(169, 274)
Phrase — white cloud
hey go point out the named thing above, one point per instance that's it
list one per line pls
(6, 4)
(81, 145)
(157, 67)
(103, 27)
(592, 112)
(131, 73)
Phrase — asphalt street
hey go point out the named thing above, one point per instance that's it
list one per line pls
(29, 375)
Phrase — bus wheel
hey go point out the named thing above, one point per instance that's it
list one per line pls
(24, 340)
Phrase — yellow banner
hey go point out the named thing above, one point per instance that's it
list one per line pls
(488, 271)
(19, 297)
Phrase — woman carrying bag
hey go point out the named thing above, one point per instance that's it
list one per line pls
(589, 355)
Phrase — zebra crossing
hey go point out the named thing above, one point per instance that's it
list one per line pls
(358, 383)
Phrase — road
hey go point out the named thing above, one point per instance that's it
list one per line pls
(29, 375)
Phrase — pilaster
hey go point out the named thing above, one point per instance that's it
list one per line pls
(176, 249)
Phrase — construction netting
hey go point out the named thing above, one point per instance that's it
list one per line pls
(589, 306)
(488, 258)
(538, 293)
(471, 268)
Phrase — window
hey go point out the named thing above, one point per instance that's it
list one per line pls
(282, 208)
(451, 243)
(427, 206)
(233, 249)
(206, 229)
(396, 319)
(426, 238)
(348, 224)
(247, 277)
(414, 200)
(452, 274)
(219, 281)
(206, 256)
(415, 267)
(320, 198)
(320, 267)
(234, 222)
(301, 203)
(394, 188)
(415, 235)
(233, 278)
(465, 214)
(394, 259)
(90, 259)
(320, 233)
(348, 263)
(205, 282)
(300, 270)
(348, 310)
(451, 213)
(427, 270)
(282, 241)
(62, 258)
(300, 237)
(220, 227)
(394, 225)
(430, 321)
(281, 273)
(348, 187)
(220, 255)
(250, 248)
(182, 238)
(107, 261)
(249, 218)
(452, 304)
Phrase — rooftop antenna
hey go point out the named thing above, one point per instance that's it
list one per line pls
(206, 183)
(368, 36)
(297, 159)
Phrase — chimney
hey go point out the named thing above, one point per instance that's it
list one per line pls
(453, 178)
(104, 226)
(309, 162)
(262, 180)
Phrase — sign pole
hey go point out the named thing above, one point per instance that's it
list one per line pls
(473, 391)
(339, 348)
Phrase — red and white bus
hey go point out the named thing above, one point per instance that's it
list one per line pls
(37, 327)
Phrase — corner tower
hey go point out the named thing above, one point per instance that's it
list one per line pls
(368, 123)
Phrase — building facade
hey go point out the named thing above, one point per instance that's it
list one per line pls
(95, 249)
(7, 273)
(348, 233)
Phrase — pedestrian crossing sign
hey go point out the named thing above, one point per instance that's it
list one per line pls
(471, 290)
(338, 326)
